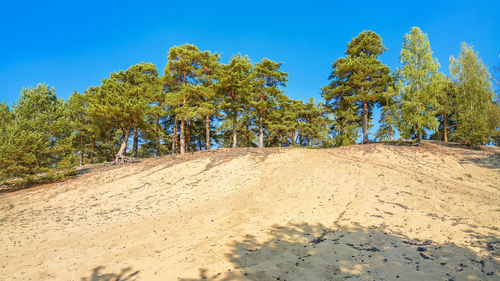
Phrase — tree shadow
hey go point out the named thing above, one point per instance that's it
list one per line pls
(126, 274)
(315, 252)
(491, 161)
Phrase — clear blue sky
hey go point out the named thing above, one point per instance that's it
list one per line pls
(73, 45)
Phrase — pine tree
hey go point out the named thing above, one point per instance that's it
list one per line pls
(6, 125)
(100, 132)
(124, 98)
(189, 73)
(38, 138)
(346, 121)
(284, 122)
(313, 125)
(475, 98)
(361, 77)
(418, 102)
(208, 104)
(6, 116)
(268, 78)
(77, 107)
(153, 133)
(234, 85)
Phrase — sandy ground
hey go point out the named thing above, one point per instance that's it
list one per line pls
(372, 212)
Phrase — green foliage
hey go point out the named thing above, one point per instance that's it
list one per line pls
(124, 99)
(189, 76)
(494, 123)
(313, 125)
(6, 117)
(295, 123)
(245, 104)
(346, 122)
(36, 141)
(475, 107)
(418, 102)
(234, 83)
(268, 79)
(388, 114)
(284, 125)
(359, 78)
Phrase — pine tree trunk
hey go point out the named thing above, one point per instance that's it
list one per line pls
(188, 137)
(365, 122)
(207, 132)
(136, 143)
(181, 141)
(445, 127)
(234, 130)
(92, 151)
(247, 132)
(392, 132)
(158, 143)
(123, 147)
(82, 145)
(261, 132)
(174, 136)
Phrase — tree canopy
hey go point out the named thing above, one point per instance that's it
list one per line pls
(359, 78)
(201, 103)
(475, 102)
(419, 69)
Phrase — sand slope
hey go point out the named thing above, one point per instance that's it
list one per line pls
(371, 212)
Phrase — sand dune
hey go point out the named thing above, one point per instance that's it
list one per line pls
(363, 212)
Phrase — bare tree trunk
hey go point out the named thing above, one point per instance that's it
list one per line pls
(174, 137)
(247, 132)
(158, 143)
(181, 141)
(188, 136)
(445, 127)
(82, 145)
(365, 122)
(207, 132)
(136, 143)
(420, 137)
(261, 132)
(92, 151)
(123, 147)
(234, 130)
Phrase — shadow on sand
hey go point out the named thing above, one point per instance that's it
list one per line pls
(126, 274)
(491, 161)
(314, 252)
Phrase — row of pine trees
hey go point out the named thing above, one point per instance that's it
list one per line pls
(200, 103)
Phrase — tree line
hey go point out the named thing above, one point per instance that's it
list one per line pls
(416, 100)
(200, 103)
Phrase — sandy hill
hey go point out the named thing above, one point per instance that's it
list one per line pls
(363, 212)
